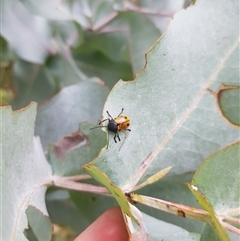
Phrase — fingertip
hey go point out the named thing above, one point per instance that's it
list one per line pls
(109, 226)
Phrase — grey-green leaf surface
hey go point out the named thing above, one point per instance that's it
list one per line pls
(39, 223)
(159, 230)
(133, 23)
(174, 119)
(209, 234)
(91, 205)
(24, 170)
(218, 177)
(105, 20)
(61, 207)
(33, 33)
(41, 82)
(229, 103)
(218, 180)
(74, 104)
(69, 155)
(53, 10)
(33, 82)
(96, 64)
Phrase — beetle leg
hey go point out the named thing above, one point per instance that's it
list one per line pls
(128, 129)
(115, 137)
(118, 136)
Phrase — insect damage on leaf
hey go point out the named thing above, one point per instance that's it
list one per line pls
(68, 143)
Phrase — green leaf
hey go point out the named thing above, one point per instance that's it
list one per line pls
(63, 211)
(159, 230)
(69, 155)
(41, 82)
(74, 104)
(114, 190)
(209, 234)
(50, 9)
(33, 83)
(24, 171)
(39, 223)
(96, 64)
(148, 34)
(228, 98)
(112, 45)
(178, 114)
(218, 178)
(91, 206)
(174, 118)
(63, 66)
(217, 181)
(33, 33)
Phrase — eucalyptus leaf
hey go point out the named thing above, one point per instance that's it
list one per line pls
(69, 155)
(74, 104)
(40, 224)
(229, 103)
(217, 180)
(133, 23)
(34, 82)
(25, 172)
(161, 230)
(174, 119)
(54, 10)
(62, 210)
(17, 21)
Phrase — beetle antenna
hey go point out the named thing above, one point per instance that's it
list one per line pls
(102, 121)
(97, 127)
(121, 112)
(109, 114)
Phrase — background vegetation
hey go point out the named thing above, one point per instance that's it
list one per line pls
(182, 99)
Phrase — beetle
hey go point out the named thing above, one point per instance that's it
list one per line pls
(121, 122)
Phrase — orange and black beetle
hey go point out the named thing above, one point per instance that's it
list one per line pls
(121, 122)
